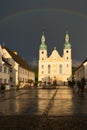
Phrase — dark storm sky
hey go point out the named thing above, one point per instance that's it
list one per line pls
(23, 21)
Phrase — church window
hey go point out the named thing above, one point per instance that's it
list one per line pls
(67, 51)
(42, 66)
(67, 58)
(42, 72)
(67, 65)
(42, 52)
(49, 68)
(60, 68)
(42, 58)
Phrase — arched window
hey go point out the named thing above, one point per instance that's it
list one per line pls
(67, 65)
(49, 69)
(60, 68)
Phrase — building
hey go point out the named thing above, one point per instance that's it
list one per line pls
(19, 71)
(81, 71)
(54, 69)
(4, 71)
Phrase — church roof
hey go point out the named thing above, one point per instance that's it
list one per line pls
(43, 46)
(55, 56)
(67, 45)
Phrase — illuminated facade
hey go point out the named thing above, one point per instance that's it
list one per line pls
(54, 68)
(14, 70)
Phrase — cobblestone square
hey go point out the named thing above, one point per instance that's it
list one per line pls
(43, 109)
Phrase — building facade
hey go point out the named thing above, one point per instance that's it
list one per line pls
(18, 71)
(54, 69)
(81, 71)
(4, 71)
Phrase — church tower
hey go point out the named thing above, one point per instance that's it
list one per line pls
(54, 69)
(1, 54)
(43, 49)
(42, 58)
(67, 56)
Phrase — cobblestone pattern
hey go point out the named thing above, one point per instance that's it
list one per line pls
(52, 123)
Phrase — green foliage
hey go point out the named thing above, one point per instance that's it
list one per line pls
(71, 83)
(36, 75)
(73, 70)
(30, 81)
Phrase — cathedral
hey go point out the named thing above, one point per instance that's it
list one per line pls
(54, 69)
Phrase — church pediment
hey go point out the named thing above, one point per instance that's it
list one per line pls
(55, 56)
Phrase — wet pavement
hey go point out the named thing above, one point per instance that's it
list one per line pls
(34, 101)
(68, 103)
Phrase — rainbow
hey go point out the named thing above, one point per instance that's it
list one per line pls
(43, 10)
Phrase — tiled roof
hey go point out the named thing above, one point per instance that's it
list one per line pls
(18, 59)
(84, 61)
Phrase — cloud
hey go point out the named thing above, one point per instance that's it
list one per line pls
(33, 63)
(76, 63)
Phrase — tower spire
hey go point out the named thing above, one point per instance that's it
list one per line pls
(43, 38)
(67, 44)
(67, 37)
(43, 45)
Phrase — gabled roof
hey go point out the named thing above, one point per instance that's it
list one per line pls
(18, 59)
(84, 61)
(55, 56)
(81, 64)
(6, 62)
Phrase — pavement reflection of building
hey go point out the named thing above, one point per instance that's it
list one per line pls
(54, 69)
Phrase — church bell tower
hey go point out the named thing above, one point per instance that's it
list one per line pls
(43, 49)
(67, 57)
(42, 59)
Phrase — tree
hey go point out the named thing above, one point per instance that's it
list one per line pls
(83, 81)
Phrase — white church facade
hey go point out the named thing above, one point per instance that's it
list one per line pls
(54, 69)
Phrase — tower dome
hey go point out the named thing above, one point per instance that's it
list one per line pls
(67, 44)
(43, 46)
